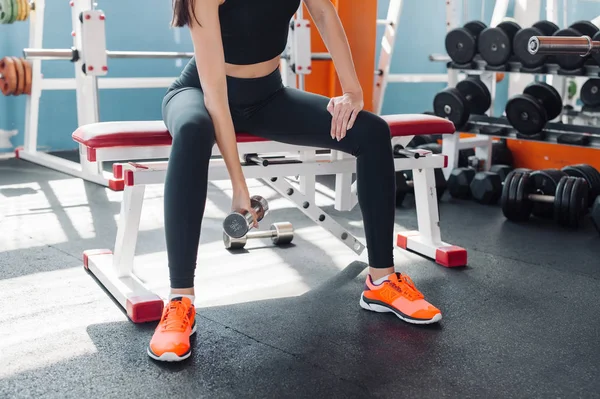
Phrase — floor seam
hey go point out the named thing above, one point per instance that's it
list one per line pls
(296, 356)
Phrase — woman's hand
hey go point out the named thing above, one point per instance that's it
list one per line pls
(241, 201)
(344, 110)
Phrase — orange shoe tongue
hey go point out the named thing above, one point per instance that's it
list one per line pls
(184, 300)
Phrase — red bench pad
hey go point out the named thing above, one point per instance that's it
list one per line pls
(154, 133)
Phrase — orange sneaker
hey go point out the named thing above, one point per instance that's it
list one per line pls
(399, 295)
(171, 339)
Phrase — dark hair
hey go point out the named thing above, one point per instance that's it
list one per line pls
(183, 10)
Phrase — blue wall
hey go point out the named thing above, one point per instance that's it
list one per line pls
(137, 25)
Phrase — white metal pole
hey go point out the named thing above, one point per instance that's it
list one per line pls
(32, 104)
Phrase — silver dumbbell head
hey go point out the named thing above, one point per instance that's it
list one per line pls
(284, 233)
(234, 243)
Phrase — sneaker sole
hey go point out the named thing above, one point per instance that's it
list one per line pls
(171, 356)
(384, 309)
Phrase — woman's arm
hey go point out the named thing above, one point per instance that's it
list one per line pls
(210, 61)
(344, 109)
(330, 27)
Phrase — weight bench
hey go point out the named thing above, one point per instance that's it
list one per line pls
(114, 268)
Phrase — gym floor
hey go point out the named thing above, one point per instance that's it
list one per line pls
(521, 321)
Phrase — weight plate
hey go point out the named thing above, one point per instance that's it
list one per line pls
(515, 204)
(591, 176)
(8, 83)
(586, 28)
(28, 76)
(548, 95)
(402, 188)
(20, 76)
(596, 214)
(578, 203)
(590, 93)
(495, 46)
(521, 51)
(451, 104)
(15, 9)
(475, 27)
(461, 45)
(20, 10)
(526, 114)
(544, 182)
(476, 93)
(23, 10)
(546, 27)
(569, 62)
(5, 11)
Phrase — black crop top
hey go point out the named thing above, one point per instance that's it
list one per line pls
(255, 31)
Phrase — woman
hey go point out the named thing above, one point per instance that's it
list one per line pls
(233, 84)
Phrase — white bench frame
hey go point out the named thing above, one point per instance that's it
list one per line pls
(114, 268)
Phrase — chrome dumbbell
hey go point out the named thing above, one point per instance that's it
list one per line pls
(280, 233)
(238, 223)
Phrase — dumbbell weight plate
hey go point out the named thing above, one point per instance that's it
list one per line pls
(459, 182)
(461, 43)
(590, 93)
(5, 12)
(526, 114)
(569, 62)
(15, 9)
(451, 104)
(28, 76)
(501, 170)
(545, 182)
(570, 201)
(8, 83)
(477, 93)
(596, 214)
(549, 96)
(515, 203)
(495, 44)
(586, 28)
(486, 188)
(591, 176)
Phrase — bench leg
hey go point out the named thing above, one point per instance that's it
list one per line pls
(115, 270)
(427, 240)
(308, 207)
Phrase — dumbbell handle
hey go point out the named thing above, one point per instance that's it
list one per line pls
(261, 234)
(541, 198)
(558, 45)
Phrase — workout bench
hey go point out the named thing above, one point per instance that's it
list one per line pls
(114, 140)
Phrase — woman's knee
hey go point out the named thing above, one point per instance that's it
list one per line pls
(195, 133)
(374, 132)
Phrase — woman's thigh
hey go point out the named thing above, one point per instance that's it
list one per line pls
(301, 118)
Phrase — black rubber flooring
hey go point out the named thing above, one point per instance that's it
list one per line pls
(521, 321)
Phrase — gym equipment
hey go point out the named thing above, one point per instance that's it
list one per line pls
(15, 10)
(114, 271)
(595, 214)
(238, 223)
(501, 154)
(281, 233)
(495, 45)
(590, 93)
(591, 176)
(501, 170)
(521, 41)
(545, 182)
(529, 112)
(15, 76)
(461, 43)
(405, 184)
(486, 186)
(459, 182)
(571, 62)
(569, 201)
(470, 96)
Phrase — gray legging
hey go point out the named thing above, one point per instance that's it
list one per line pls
(264, 107)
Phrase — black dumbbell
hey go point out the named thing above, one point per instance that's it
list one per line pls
(470, 96)
(461, 43)
(529, 112)
(591, 176)
(577, 29)
(545, 182)
(590, 93)
(486, 186)
(521, 43)
(596, 214)
(281, 233)
(405, 184)
(569, 200)
(595, 54)
(495, 44)
(238, 223)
